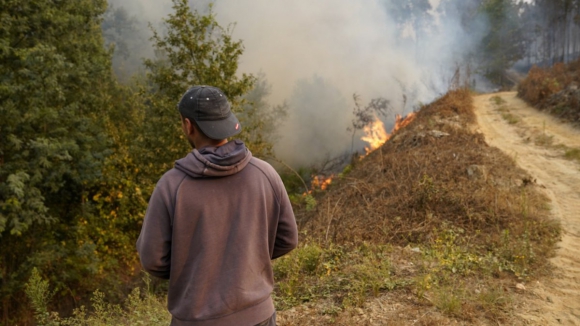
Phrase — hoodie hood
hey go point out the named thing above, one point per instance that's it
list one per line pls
(219, 161)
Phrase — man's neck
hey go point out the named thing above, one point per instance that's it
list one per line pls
(204, 143)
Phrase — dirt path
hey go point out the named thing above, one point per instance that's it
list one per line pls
(555, 301)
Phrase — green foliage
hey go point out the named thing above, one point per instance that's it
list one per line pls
(38, 292)
(448, 302)
(196, 50)
(452, 254)
(139, 308)
(55, 99)
(306, 260)
(305, 200)
(347, 169)
(310, 202)
(294, 181)
(54, 71)
(346, 274)
(81, 154)
(449, 255)
(573, 154)
(73, 197)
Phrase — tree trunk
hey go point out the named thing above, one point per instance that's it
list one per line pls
(5, 299)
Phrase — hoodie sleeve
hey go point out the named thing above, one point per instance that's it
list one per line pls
(287, 231)
(154, 242)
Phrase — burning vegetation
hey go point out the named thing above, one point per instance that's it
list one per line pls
(434, 216)
(376, 135)
(321, 182)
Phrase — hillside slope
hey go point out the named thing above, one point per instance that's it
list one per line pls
(538, 143)
(436, 227)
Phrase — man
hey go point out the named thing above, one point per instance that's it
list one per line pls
(215, 221)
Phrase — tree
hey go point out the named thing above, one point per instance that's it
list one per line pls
(54, 89)
(503, 45)
(553, 29)
(196, 50)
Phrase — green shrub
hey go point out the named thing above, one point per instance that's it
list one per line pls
(347, 274)
(139, 308)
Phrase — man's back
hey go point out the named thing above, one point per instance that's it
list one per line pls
(213, 224)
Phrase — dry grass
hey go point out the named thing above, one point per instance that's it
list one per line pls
(555, 90)
(510, 118)
(474, 220)
(573, 154)
(498, 100)
(416, 183)
(544, 140)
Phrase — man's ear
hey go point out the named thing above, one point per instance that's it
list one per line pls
(189, 128)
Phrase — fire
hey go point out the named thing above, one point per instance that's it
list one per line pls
(403, 122)
(376, 135)
(321, 182)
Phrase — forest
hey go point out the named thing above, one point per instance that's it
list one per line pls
(87, 129)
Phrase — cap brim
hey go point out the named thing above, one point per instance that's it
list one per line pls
(221, 129)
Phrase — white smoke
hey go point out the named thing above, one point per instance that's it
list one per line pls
(334, 48)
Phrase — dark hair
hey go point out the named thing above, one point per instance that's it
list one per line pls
(196, 126)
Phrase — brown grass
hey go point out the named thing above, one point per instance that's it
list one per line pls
(554, 90)
(416, 183)
(474, 219)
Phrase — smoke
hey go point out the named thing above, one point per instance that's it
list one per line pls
(317, 54)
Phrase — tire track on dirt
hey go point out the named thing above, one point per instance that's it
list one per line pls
(555, 301)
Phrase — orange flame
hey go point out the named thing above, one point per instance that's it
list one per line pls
(321, 182)
(376, 135)
(403, 122)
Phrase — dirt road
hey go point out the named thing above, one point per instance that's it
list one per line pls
(535, 141)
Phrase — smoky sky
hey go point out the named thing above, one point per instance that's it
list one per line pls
(317, 54)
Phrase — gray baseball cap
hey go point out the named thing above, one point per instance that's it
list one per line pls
(211, 110)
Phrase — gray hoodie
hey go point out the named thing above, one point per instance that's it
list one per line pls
(213, 224)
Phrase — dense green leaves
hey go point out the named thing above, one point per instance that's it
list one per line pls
(80, 154)
(55, 78)
(48, 97)
(196, 50)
